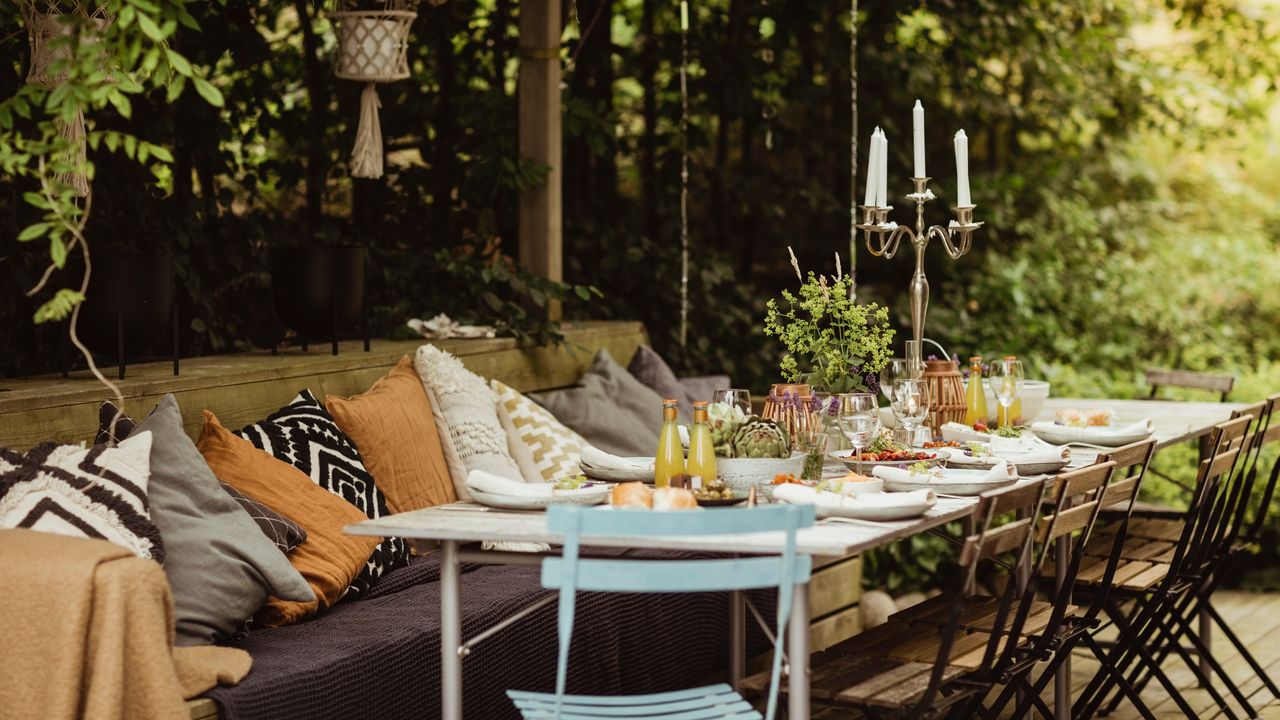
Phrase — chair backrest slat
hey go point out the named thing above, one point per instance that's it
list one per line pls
(1014, 498)
(996, 541)
(1120, 491)
(1221, 384)
(1066, 522)
(710, 575)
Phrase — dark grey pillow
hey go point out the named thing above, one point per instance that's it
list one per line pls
(282, 531)
(649, 368)
(221, 567)
(610, 408)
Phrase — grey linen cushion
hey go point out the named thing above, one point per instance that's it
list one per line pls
(609, 407)
(649, 368)
(220, 565)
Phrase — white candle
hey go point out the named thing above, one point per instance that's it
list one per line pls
(873, 169)
(882, 176)
(917, 137)
(962, 169)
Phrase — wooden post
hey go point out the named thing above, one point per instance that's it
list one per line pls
(541, 226)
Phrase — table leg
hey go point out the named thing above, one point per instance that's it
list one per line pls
(798, 654)
(1062, 681)
(1205, 629)
(450, 632)
(737, 639)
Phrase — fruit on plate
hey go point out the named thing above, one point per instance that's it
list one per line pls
(784, 478)
(942, 444)
(896, 455)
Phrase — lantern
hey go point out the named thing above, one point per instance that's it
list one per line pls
(50, 19)
(373, 45)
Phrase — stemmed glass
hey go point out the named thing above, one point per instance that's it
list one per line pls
(1006, 383)
(733, 397)
(911, 405)
(892, 371)
(859, 418)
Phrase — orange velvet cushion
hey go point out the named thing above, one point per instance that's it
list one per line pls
(329, 559)
(392, 426)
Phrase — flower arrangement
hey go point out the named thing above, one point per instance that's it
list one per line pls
(834, 344)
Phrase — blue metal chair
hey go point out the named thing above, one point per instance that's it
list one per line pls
(570, 574)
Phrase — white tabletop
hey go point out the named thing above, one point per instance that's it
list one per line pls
(468, 522)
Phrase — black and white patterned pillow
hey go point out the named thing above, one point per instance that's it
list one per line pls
(98, 492)
(282, 531)
(304, 435)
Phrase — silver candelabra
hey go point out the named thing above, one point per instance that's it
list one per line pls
(957, 237)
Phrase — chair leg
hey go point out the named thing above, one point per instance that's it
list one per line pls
(1132, 631)
(1133, 646)
(1207, 659)
(1108, 670)
(1240, 647)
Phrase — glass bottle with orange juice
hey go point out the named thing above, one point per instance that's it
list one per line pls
(669, 460)
(701, 465)
(975, 395)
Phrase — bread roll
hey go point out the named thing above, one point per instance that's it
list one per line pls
(1098, 418)
(632, 494)
(674, 499)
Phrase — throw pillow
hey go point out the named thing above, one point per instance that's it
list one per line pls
(613, 410)
(468, 408)
(649, 368)
(304, 435)
(285, 533)
(220, 567)
(124, 426)
(394, 428)
(98, 492)
(330, 559)
(550, 450)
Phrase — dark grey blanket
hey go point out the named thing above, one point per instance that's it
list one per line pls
(378, 657)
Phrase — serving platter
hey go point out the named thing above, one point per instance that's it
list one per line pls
(953, 481)
(867, 506)
(846, 457)
(957, 459)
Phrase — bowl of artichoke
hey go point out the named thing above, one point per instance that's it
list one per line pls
(750, 450)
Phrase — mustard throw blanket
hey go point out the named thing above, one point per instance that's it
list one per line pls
(88, 633)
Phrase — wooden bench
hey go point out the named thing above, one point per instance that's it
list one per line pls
(246, 387)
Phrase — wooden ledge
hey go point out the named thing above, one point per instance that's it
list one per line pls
(245, 387)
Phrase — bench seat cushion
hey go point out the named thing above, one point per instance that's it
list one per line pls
(378, 657)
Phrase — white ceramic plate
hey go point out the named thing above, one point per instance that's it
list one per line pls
(583, 496)
(1105, 436)
(957, 459)
(870, 506)
(952, 482)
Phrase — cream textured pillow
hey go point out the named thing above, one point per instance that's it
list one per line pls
(469, 412)
(552, 450)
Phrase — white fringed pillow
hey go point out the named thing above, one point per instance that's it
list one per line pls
(472, 435)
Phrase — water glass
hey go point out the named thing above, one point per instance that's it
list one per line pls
(911, 405)
(813, 443)
(733, 397)
(1006, 383)
(892, 371)
(859, 419)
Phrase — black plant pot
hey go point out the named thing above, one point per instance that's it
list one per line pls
(129, 303)
(318, 291)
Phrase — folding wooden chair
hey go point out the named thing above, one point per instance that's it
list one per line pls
(1158, 581)
(569, 574)
(925, 670)
(1190, 380)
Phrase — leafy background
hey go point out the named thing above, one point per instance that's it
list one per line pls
(1124, 157)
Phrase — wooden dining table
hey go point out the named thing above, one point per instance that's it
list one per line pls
(460, 531)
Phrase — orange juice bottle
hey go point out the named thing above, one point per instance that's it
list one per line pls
(669, 460)
(975, 396)
(702, 453)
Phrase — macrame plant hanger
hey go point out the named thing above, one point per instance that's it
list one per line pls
(47, 20)
(684, 172)
(373, 47)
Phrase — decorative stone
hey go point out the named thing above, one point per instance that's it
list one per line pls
(912, 598)
(876, 607)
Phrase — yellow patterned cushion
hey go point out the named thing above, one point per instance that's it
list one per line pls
(542, 446)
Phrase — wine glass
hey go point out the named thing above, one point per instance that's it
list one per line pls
(733, 397)
(1006, 383)
(892, 371)
(859, 418)
(911, 405)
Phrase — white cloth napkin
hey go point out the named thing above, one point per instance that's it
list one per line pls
(487, 482)
(598, 458)
(999, 472)
(796, 494)
(1084, 434)
(1041, 454)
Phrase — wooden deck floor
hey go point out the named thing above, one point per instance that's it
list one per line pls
(1255, 617)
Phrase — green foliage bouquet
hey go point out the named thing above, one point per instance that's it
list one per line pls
(833, 343)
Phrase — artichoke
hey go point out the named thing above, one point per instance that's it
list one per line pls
(723, 420)
(760, 438)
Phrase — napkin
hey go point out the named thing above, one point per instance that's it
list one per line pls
(487, 482)
(795, 494)
(999, 472)
(598, 458)
(1041, 454)
(1084, 434)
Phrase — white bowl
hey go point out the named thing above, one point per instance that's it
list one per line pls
(741, 474)
(1034, 393)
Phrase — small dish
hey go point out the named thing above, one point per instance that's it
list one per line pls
(723, 502)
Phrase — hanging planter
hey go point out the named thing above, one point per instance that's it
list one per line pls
(48, 21)
(373, 45)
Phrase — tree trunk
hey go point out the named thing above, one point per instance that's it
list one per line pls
(649, 141)
(318, 92)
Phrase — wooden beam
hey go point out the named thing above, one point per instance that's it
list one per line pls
(541, 227)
